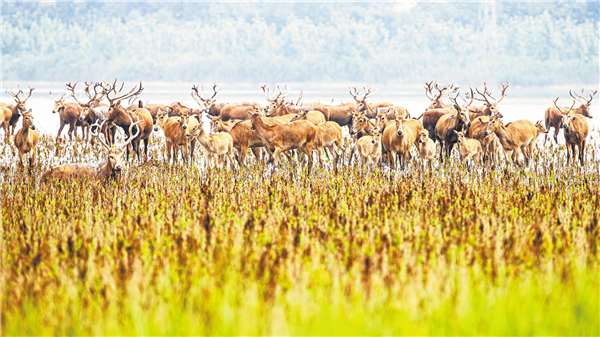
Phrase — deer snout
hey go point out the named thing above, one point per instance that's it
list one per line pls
(156, 128)
(565, 125)
(487, 133)
(459, 140)
(80, 118)
(373, 141)
(53, 111)
(32, 127)
(118, 168)
(352, 132)
(469, 124)
(188, 135)
(184, 127)
(421, 141)
(400, 133)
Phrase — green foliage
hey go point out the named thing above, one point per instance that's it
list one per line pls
(194, 251)
(524, 43)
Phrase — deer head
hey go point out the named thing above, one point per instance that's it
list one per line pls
(21, 107)
(566, 115)
(59, 103)
(361, 102)
(115, 154)
(492, 106)
(27, 119)
(115, 102)
(462, 113)
(584, 109)
(376, 132)
(423, 135)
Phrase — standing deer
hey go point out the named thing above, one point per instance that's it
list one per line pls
(110, 169)
(554, 114)
(576, 132)
(361, 102)
(449, 123)
(209, 105)
(69, 115)
(26, 139)
(490, 108)
(120, 117)
(5, 116)
(19, 108)
(437, 99)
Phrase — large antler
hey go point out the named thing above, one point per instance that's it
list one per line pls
(72, 89)
(198, 98)
(97, 133)
(112, 87)
(453, 99)
(96, 93)
(267, 93)
(582, 99)
(484, 94)
(560, 110)
(355, 93)
(300, 97)
(132, 137)
(16, 96)
(502, 91)
(428, 90)
(369, 92)
(57, 99)
(282, 94)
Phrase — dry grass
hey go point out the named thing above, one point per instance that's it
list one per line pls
(185, 250)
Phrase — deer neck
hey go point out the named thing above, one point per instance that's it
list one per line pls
(104, 170)
(504, 137)
(262, 129)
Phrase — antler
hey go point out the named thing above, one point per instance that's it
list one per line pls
(456, 105)
(72, 89)
(56, 100)
(300, 97)
(215, 90)
(582, 99)
(472, 95)
(132, 92)
(16, 96)
(502, 92)
(369, 92)
(132, 137)
(560, 110)
(97, 133)
(428, 90)
(87, 91)
(267, 92)
(484, 94)
(282, 94)
(355, 93)
(198, 97)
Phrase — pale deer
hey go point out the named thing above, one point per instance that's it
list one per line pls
(19, 108)
(553, 115)
(26, 139)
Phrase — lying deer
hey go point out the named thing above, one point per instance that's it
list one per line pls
(110, 169)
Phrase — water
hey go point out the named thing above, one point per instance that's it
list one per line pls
(520, 102)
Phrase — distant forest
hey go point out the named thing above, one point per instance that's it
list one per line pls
(525, 43)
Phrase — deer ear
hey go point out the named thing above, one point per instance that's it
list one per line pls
(456, 133)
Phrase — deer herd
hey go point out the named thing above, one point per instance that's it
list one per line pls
(379, 133)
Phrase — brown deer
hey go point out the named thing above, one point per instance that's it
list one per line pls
(329, 136)
(208, 105)
(518, 137)
(19, 108)
(426, 147)
(108, 170)
(69, 114)
(297, 135)
(175, 130)
(447, 124)
(26, 139)
(121, 118)
(490, 108)
(361, 102)
(468, 148)
(217, 146)
(316, 117)
(368, 148)
(5, 116)
(576, 131)
(93, 111)
(437, 98)
(553, 115)
(397, 139)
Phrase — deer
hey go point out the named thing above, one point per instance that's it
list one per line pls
(368, 148)
(361, 102)
(426, 148)
(468, 148)
(553, 115)
(175, 130)
(576, 131)
(490, 108)
(297, 135)
(5, 116)
(518, 137)
(208, 105)
(69, 114)
(397, 139)
(26, 139)
(449, 122)
(121, 118)
(273, 100)
(217, 146)
(19, 108)
(329, 136)
(437, 99)
(110, 169)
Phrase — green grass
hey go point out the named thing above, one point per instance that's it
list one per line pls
(193, 251)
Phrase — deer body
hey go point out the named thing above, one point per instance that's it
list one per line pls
(368, 148)
(397, 139)
(216, 146)
(19, 108)
(468, 148)
(5, 117)
(518, 136)
(296, 135)
(426, 147)
(234, 111)
(576, 132)
(26, 139)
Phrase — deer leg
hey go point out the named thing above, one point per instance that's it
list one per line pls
(21, 158)
(275, 157)
(70, 132)
(556, 131)
(32, 156)
(582, 152)
(242, 156)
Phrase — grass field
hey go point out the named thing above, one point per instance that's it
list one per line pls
(190, 250)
